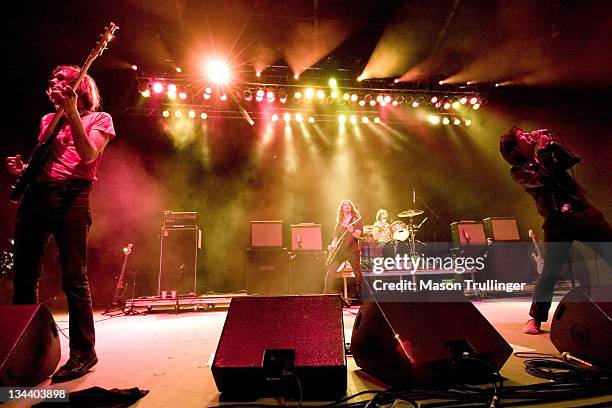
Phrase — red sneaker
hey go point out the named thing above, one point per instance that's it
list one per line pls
(532, 327)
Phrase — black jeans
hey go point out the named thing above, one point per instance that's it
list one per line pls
(588, 226)
(62, 209)
(351, 255)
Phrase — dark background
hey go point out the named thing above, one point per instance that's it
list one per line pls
(555, 55)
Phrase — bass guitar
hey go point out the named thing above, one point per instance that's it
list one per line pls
(335, 248)
(119, 298)
(536, 255)
(40, 155)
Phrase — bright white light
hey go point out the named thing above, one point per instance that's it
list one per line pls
(286, 117)
(311, 119)
(456, 122)
(192, 114)
(299, 117)
(341, 118)
(433, 119)
(468, 122)
(445, 121)
(274, 117)
(476, 106)
(376, 119)
(203, 115)
(353, 119)
(218, 72)
(165, 114)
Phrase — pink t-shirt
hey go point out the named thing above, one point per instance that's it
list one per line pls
(64, 162)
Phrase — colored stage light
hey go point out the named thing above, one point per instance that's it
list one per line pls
(270, 95)
(433, 119)
(445, 121)
(311, 119)
(309, 93)
(203, 116)
(380, 98)
(334, 94)
(415, 104)
(473, 100)
(372, 102)
(260, 92)
(206, 96)
(320, 94)
(376, 119)
(447, 105)
(468, 122)
(434, 99)
(456, 122)
(172, 94)
(463, 100)
(476, 106)
(275, 118)
(191, 114)
(456, 105)
(165, 114)
(387, 99)
(286, 117)
(299, 117)
(346, 96)
(341, 118)
(158, 87)
(333, 83)
(365, 119)
(297, 95)
(354, 97)
(218, 72)
(362, 102)
(353, 119)
(178, 113)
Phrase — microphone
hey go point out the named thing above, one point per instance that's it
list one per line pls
(568, 357)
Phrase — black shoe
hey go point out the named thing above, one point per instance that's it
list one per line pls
(75, 367)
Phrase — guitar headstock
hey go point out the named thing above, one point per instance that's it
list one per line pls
(128, 249)
(532, 234)
(107, 36)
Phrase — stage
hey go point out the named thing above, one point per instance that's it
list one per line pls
(169, 352)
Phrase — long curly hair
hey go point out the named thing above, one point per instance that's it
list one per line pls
(339, 213)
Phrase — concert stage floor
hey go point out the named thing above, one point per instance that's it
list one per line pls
(170, 354)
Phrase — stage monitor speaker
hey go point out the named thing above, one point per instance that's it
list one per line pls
(267, 271)
(582, 325)
(268, 341)
(501, 229)
(433, 337)
(266, 234)
(178, 259)
(306, 237)
(29, 345)
(468, 233)
(307, 272)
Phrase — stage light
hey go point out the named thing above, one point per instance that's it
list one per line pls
(400, 99)
(206, 96)
(247, 95)
(441, 82)
(297, 95)
(334, 94)
(134, 67)
(158, 87)
(463, 100)
(298, 117)
(282, 96)
(394, 103)
(275, 118)
(387, 99)
(311, 119)
(438, 104)
(380, 98)
(218, 72)
(376, 119)
(333, 83)
(434, 99)
(260, 92)
(415, 104)
(447, 105)
(346, 96)
(353, 119)
(468, 122)
(476, 106)
(178, 113)
(172, 94)
(183, 95)
(497, 85)
(191, 114)
(223, 97)
(286, 117)
(258, 74)
(354, 97)
(320, 94)
(383, 104)
(179, 70)
(456, 105)
(473, 100)
(165, 114)
(362, 102)
(372, 102)
(365, 119)
(208, 90)
(433, 119)
(309, 93)
(270, 95)
(146, 93)
(341, 118)
(456, 122)
(203, 116)
(445, 121)
(296, 76)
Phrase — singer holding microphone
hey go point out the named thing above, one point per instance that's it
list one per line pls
(540, 165)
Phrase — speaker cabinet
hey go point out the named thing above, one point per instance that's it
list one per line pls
(581, 325)
(432, 338)
(509, 262)
(267, 271)
(306, 272)
(29, 345)
(501, 229)
(467, 233)
(266, 234)
(178, 259)
(267, 339)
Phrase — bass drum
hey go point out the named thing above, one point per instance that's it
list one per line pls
(382, 234)
(399, 231)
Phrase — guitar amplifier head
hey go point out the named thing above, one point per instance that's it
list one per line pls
(501, 228)
(306, 237)
(180, 219)
(468, 233)
(266, 234)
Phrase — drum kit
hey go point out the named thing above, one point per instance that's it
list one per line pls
(398, 231)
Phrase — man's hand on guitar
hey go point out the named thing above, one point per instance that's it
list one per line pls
(14, 164)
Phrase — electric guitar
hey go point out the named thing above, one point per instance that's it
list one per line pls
(335, 248)
(537, 255)
(119, 298)
(40, 155)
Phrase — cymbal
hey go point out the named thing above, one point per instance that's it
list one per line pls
(410, 213)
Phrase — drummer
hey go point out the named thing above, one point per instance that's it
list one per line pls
(381, 218)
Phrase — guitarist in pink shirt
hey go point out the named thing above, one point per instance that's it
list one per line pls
(57, 202)
(345, 245)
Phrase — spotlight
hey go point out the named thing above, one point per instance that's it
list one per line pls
(463, 100)
(282, 96)
(362, 102)
(165, 114)
(353, 119)
(247, 95)
(380, 98)
(360, 78)
(320, 94)
(178, 113)
(218, 72)
(203, 116)
(383, 103)
(297, 95)
(365, 119)
(270, 96)
(433, 119)
(286, 117)
(223, 97)
(309, 93)
(134, 67)
(334, 94)
(298, 117)
(311, 119)
(387, 99)
(441, 82)
(341, 118)
(333, 83)
(183, 95)
(394, 103)
(208, 90)
(191, 114)
(447, 105)
(456, 105)
(258, 74)
(354, 97)
(346, 96)
(468, 122)
(296, 76)
(473, 100)
(415, 104)
(158, 87)
(456, 122)
(275, 118)
(372, 102)
(171, 94)
(178, 69)
(445, 121)
(476, 106)
(206, 96)
(146, 93)
(376, 119)
(260, 92)
(259, 98)
(434, 99)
